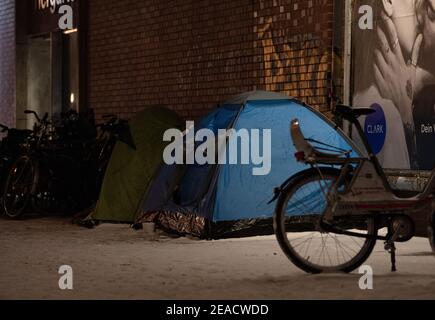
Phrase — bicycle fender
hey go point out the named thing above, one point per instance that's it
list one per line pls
(278, 190)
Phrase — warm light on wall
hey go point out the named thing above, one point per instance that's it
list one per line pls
(70, 31)
(72, 98)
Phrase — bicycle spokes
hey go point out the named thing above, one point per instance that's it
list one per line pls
(300, 227)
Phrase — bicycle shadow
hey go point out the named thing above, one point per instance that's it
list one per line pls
(347, 286)
(417, 254)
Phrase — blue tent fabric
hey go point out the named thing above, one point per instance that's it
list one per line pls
(197, 177)
(236, 181)
(216, 201)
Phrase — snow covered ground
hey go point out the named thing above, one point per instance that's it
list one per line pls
(115, 262)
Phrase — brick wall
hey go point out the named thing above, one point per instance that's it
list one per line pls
(7, 62)
(294, 44)
(190, 54)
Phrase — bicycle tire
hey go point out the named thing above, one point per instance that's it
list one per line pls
(305, 223)
(11, 210)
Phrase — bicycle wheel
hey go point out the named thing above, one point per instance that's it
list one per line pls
(297, 227)
(19, 187)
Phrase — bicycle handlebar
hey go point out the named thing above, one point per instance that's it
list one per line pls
(44, 120)
(34, 113)
(4, 128)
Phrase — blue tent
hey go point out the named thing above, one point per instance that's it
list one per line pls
(227, 200)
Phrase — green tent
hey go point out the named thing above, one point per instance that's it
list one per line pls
(130, 171)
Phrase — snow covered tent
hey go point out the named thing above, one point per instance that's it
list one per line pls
(228, 200)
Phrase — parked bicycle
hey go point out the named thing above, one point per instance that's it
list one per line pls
(328, 218)
(109, 132)
(96, 156)
(63, 165)
(11, 147)
(31, 179)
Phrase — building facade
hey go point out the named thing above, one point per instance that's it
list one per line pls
(190, 55)
(7, 62)
(187, 55)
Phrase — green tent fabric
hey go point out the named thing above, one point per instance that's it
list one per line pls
(130, 171)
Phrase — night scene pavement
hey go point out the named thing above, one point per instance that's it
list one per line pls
(116, 262)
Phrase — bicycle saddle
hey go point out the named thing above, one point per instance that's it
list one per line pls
(350, 113)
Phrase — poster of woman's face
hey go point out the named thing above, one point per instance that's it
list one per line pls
(394, 72)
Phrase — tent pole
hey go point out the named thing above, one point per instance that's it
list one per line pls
(347, 52)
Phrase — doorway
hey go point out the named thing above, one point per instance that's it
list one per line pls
(38, 80)
(51, 75)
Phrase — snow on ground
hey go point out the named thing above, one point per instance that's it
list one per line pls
(116, 262)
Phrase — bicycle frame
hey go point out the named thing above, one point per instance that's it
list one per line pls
(355, 189)
(368, 191)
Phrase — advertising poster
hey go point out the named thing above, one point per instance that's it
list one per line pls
(394, 73)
